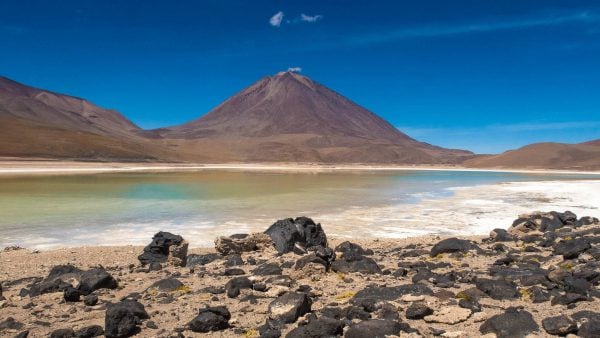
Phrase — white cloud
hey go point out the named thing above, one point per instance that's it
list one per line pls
(295, 69)
(310, 18)
(276, 19)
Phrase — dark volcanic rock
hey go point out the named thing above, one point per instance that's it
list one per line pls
(267, 269)
(538, 294)
(318, 328)
(418, 310)
(236, 284)
(368, 297)
(376, 329)
(498, 289)
(58, 279)
(559, 325)
(349, 249)
(512, 323)
(543, 222)
(311, 258)
(589, 329)
(211, 319)
(572, 248)
(302, 230)
(10, 324)
(62, 277)
(122, 319)
(234, 272)
(90, 300)
(95, 279)
(288, 307)
(164, 244)
(500, 235)
(355, 312)
(568, 298)
(270, 329)
(450, 245)
(71, 294)
(62, 333)
(356, 264)
(90, 332)
(587, 220)
(577, 285)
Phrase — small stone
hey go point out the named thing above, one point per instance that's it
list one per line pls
(122, 318)
(450, 245)
(71, 294)
(559, 325)
(90, 332)
(513, 323)
(290, 306)
(418, 311)
(62, 333)
(211, 319)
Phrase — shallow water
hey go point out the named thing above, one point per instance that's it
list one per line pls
(127, 208)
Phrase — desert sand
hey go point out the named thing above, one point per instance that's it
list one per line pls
(457, 304)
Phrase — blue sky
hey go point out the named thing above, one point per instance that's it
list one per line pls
(481, 75)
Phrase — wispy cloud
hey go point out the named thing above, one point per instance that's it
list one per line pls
(295, 69)
(482, 27)
(276, 19)
(310, 18)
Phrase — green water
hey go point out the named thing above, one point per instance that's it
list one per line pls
(111, 209)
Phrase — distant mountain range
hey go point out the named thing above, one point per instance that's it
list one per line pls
(282, 118)
(583, 156)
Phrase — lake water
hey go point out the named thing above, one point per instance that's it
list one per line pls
(127, 208)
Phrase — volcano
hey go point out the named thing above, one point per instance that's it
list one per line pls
(290, 118)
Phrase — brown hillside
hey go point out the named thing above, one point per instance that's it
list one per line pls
(544, 156)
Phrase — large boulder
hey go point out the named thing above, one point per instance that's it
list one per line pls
(559, 325)
(123, 319)
(210, 319)
(513, 323)
(288, 232)
(165, 247)
(68, 277)
(95, 279)
(290, 306)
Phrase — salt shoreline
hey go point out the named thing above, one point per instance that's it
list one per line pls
(8, 168)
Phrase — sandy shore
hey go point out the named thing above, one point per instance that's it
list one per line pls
(42, 167)
(401, 262)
